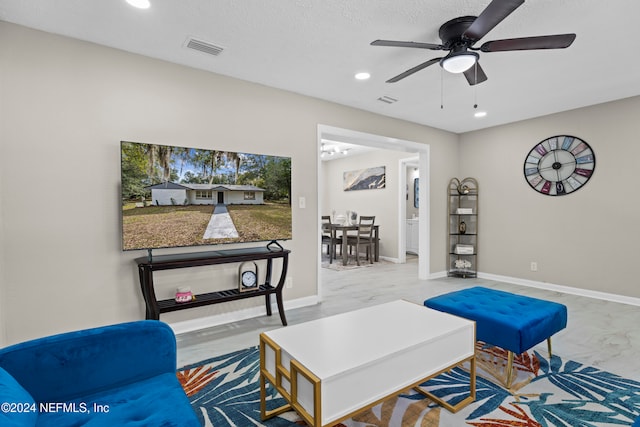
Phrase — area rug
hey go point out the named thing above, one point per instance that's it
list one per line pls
(337, 265)
(224, 391)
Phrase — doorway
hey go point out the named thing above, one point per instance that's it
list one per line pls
(220, 197)
(421, 159)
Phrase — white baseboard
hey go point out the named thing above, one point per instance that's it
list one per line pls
(438, 275)
(564, 289)
(234, 316)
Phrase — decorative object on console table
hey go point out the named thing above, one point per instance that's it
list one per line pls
(248, 276)
(462, 236)
(184, 294)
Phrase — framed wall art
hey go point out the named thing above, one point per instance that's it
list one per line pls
(364, 179)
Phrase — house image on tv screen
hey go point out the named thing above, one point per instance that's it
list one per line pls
(171, 193)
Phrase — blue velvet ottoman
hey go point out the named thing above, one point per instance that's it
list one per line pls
(513, 322)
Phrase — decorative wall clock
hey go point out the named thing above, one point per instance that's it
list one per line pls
(559, 165)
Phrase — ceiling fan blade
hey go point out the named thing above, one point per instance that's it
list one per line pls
(490, 17)
(475, 74)
(558, 41)
(413, 70)
(393, 43)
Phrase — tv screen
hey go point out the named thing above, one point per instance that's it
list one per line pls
(178, 196)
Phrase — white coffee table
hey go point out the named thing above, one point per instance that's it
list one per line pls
(332, 368)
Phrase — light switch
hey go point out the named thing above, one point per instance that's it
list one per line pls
(302, 202)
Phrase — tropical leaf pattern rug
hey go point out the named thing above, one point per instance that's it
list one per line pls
(224, 391)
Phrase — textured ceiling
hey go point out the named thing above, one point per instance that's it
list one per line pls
(314, 47)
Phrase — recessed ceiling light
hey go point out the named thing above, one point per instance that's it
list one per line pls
(480, 114)
(362, 76)
(140, 4)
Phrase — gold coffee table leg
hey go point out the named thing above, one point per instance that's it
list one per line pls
(472, 389)
(265, 376)
(264, 414)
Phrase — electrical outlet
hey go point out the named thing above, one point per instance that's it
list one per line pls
(302, 202)
(288, 283)
(534, 266)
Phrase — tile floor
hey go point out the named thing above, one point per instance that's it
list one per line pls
(599, 333)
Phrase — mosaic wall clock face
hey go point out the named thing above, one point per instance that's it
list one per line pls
(559, 165)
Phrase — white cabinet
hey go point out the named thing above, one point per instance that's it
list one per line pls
(412, 236)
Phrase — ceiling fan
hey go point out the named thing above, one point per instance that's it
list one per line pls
(460, 34)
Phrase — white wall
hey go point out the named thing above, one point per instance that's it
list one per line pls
(587, 239)
(67, 104)
(168, 197)
(237, 197)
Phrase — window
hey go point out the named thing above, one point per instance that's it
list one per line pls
(203, 194)
(249, 195)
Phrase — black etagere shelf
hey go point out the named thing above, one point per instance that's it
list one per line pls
(462, 224)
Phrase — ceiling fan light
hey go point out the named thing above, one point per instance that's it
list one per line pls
(459, 62)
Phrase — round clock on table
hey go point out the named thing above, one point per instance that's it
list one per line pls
(248, 277)
(559, 165)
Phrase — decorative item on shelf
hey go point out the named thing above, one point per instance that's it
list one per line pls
(462, 264)
(464, 249)
(462, 227)
(248, 276)
(464, 211)
(463, 189)
(184, 294)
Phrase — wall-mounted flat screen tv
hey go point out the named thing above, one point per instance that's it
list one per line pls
(176, 196)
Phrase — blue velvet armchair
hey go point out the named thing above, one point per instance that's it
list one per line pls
(119, 375)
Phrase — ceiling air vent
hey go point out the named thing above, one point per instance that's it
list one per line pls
(387, 99)
(202, 46)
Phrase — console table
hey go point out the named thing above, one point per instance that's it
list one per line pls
(147, 266)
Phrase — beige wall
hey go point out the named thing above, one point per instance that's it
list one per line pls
(588, 239)
(65, 107)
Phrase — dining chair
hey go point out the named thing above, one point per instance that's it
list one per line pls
(363, 237)
(329, 238)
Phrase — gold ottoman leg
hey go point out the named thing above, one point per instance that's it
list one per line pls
(509, 369)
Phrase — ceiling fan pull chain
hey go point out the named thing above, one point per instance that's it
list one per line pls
(441, 89)
(475, 86)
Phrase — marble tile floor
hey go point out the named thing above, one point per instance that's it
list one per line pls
(599, 333)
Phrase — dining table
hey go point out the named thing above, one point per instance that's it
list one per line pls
(344, 230)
